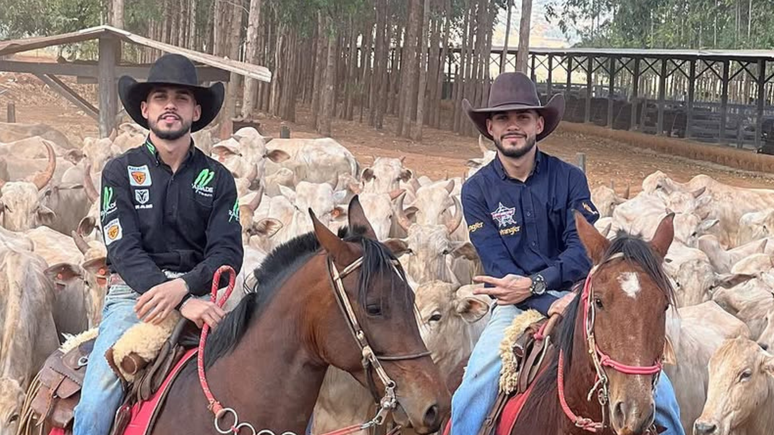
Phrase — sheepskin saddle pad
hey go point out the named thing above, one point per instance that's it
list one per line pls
(523, 351)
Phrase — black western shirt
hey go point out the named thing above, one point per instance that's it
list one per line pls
(154, 220)
(524, 228)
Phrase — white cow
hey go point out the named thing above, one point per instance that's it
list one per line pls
(385, 175)
(723, 259)
(21, 205)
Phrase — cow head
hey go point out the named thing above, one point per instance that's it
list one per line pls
(379, 209)
(428, 247)
(96, 152)
(384, 175)
(606, 200)
(11, 401)
(319, 197)
(740, 383)
(21, 206)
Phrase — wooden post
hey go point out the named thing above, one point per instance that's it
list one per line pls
(532, 68)
(549, 79)
(635, 94)
(661, 95)
(106, 79)
(761, 101)
(581, 161)
(284, 131)
(569, 77)
(610, 91)
(724, 103)
(589, 66)
(691, 98)
(504, 53)
(11, 113)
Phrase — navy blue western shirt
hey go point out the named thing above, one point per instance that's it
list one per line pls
(528, 227)
(153, 219)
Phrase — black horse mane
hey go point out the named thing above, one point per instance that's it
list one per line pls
(635, 250)
(280, 265)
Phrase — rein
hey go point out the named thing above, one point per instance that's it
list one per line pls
(600, 360)
(371, 362)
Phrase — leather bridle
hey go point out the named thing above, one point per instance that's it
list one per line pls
(600, 360)
(370, 360)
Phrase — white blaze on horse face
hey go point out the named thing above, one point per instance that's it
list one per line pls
(630, 284)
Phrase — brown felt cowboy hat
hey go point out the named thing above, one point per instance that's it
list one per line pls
(515, 91)
(174, 70)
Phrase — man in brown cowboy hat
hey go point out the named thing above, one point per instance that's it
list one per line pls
(170, 218)
(519, 210)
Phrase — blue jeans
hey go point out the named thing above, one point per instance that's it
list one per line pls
(102, 392)
(477, 394)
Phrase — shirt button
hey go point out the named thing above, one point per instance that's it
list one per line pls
(529, 213)
(533, 244)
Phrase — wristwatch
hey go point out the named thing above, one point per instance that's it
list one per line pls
(538, 286)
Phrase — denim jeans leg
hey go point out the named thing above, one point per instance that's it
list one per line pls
(102, 393)
(667, 409)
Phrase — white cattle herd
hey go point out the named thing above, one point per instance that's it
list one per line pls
(53, 273)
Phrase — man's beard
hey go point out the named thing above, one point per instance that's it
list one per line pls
(185, 127)
(516, 153)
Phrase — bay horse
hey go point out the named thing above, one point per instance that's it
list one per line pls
(268, 357)
(602, 375)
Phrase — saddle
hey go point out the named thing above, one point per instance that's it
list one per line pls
(523, 359)
(56, 390)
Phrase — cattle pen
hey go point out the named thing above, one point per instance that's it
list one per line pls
(714, 96)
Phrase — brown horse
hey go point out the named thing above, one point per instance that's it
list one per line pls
(268, 358)
(624, 312)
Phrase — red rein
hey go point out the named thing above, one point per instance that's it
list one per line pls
(600, 359)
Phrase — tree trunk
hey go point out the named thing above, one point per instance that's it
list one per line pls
(326, 112)
(319, 67)
(409, 69)
(251, 56)
(366, 67)
(191, 43)
(350, 82)
(523, 54)
(279, 67)
(219, 27)
(436, 123)
(504, 55)
(117, 20)
(417, 133)
(461, 80)
(381, 52)
(384, 79)
(229, 106)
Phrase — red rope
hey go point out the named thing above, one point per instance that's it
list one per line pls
(213, 405)
(584, 423)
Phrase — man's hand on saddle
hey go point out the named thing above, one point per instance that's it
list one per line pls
(508, 290)
(158, 302)
(560, 305)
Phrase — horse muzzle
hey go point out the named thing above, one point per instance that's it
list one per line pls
(630, 417)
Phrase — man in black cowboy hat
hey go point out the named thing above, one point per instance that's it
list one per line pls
(169, 217)
(519, 210)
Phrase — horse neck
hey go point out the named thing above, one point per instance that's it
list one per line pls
(273, 378)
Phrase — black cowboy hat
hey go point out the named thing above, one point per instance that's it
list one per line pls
(175, 70)
(515, 91)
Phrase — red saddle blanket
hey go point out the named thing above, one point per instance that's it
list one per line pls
(143, 412)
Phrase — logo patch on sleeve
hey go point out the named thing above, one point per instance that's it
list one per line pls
(108, 202)
(233, 214)
(113, 232)
(475, 227)
(142, 196)
(139, 176)
(588, 208)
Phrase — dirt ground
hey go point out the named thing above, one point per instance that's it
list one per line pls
(440, 153)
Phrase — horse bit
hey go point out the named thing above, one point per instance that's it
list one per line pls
(600, 360)
(371, 362)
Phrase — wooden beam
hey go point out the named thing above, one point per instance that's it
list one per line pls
(70, 95)
(550, 78)
(89, 70)
(724, 102)
(691, 99)
(661, 96)
(635, 94)
(610, 91)
(589, 72)
(569, 77)
(108, 97)
(761, 100)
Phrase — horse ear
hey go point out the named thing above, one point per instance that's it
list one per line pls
(664, 235)
(595, 243)
(332, 244)
(358, 218)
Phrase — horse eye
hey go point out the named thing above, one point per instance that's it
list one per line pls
(13, 418)
(598, 303)
(445, 252)
(436, 317)
(374, 310)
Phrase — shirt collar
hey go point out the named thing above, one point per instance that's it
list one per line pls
(500, 170)
(154, 152)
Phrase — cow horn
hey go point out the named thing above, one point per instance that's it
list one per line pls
(403, 220)
(88, 185)
(699, 192)
(628, 191)
(80, 242)
(454, 222)
(402, 159)
(450, 186)
(396, 193)
(481, 145)
(256, 201)
(113, 135)
(41, 179)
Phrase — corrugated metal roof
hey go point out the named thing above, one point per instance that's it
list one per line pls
(245, 69)
(657, 53)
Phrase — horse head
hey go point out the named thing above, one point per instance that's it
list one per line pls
(622, 316)
(367, 327)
